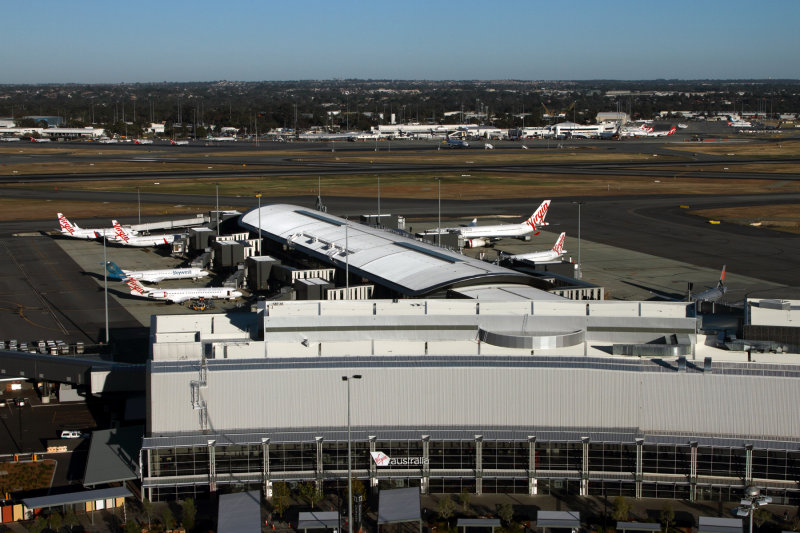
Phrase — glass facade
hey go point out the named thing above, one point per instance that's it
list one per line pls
(452, 467)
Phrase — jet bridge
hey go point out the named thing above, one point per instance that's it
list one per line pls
(99, 375)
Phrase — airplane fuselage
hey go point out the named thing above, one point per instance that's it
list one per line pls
(156, 276)
(181, 295)
(144, 241)
(538, 257)
(499, 231)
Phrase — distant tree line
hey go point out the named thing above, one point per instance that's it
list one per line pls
(191, 109)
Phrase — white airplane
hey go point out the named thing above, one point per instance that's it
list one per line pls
(35, 140)
(142, 141)
(488, 146)
(477, 236)
(642, 131)
(550, 256)
(68, 229)
(124, 237)
(671, 131)
(178, 143)
(154, 276)
(181, 295)
(9, 139)
(739, 123)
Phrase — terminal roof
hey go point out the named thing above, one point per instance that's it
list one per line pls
(403, 264)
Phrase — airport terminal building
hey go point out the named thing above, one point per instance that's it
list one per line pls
(462, 396)
(501, 388)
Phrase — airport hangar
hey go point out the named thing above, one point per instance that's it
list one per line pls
(505, 389)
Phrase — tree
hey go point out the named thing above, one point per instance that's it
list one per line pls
(56, 521)
(464, 498)
(667, 516)
(38, 525)
(621, 509)
(188, 513)
(445, 508)
(506, 513)
(132, 527)
(25, 123)
(280, 497)
(309, 492)
(147, 507)
(761, 516)
(167, 518)
(70, 518)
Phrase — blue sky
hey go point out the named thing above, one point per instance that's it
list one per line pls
(141, 40)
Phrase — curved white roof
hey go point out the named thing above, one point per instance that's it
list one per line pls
(405, 265)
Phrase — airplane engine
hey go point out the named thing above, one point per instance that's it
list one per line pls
(475, 243)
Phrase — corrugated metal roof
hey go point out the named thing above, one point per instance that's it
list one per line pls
(399, 505)
(113, 455)
(713, 524)
(318, 520)
(558, 519)
(443, 392)
(405, 265)
(504, 293)
(240, 512)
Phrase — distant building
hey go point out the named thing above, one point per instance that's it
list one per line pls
(51, 121)
(612, 116)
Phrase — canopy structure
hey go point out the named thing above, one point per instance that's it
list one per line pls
(72, 498)
(318, 520)
(400, 505)
(558, 519)
(478, 522)
(638, 526)
(240, 512)
(113, 456)
(712, 524)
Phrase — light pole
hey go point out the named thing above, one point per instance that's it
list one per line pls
(105, 281)
(258, 195)
(439, 221)
(348, 379)
(346, 263)
(752, 500)
(578, 273)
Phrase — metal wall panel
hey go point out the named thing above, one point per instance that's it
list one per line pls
(492, 396)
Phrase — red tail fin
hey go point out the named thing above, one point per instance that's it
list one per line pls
(135, 286)
(559, 246)
(65, 224)
(537, 218)
(120, 233)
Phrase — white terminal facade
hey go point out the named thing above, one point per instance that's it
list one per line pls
(514, 395)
